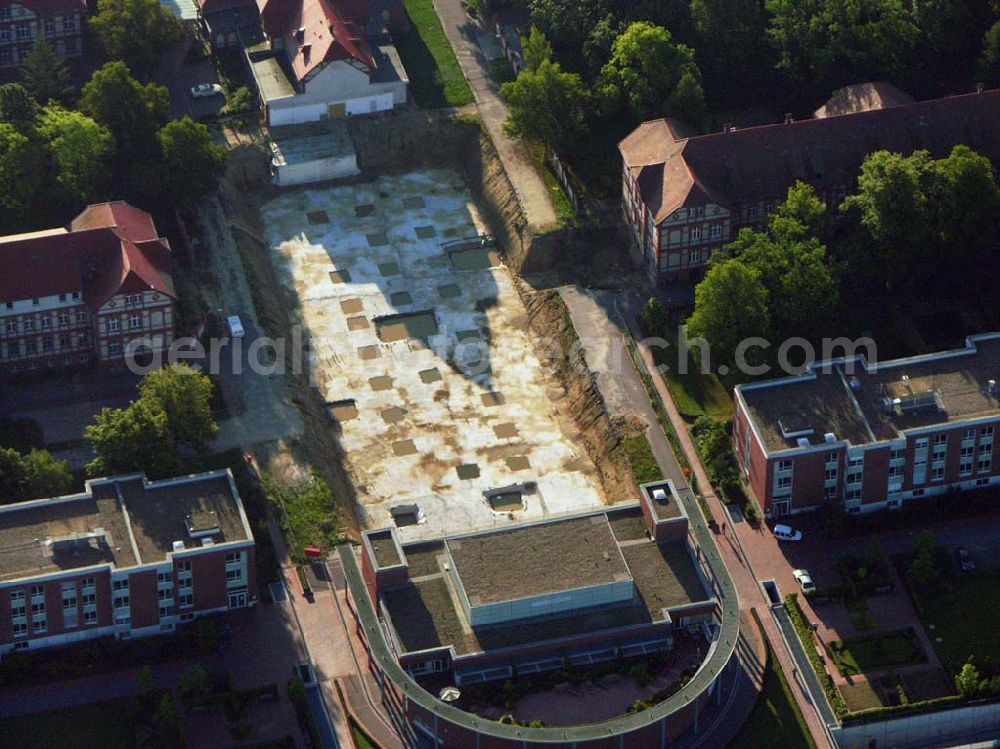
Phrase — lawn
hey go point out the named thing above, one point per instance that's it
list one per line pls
(962, 613)
(876, 652)
(436, 79)
(560, 201)
(107, 725)
(776, 722)
(639, 454)
(360, 739)
(696, 394)
(307, 513)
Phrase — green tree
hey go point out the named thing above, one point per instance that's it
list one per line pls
(893, 196)
(46, 476)
(32, 476)
(967, 200)
(172, 413)
(546, 105)
(185, 396)
(194, 681)
(730, 33)
(653, 75)
(568, 23)
(80, 149)
(730, 305)
(537, 49)
(135, 31)
(22, 174)
(968, 682)
(828, 43)
(45, 74)
(17, 107)
(192, 161)
(126, 440)
(132, 112)
(989, 59)
(12, 475)
(169, 733)
(923, 569)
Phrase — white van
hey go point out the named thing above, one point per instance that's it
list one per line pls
(786, 533)
(235, 327)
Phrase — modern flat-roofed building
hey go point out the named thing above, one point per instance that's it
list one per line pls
(80, 295)
(587, 587)
(126, 557)
(871, 435)
(684, 196)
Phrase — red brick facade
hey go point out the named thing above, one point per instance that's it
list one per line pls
(24, 22)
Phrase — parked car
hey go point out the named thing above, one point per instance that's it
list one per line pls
(805, 581)
(964, 559)
(787, 533)
(203, 90)
(235, 326)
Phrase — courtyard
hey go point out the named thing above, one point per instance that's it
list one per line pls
(419, 346)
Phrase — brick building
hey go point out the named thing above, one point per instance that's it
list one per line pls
(872, 436)
(22, 23)
(127, 557)
(80, 295)
(684, 196)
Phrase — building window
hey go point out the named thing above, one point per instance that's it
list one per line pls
(11, 327)
(831, 474)
(234, 575)
(783, 482)
(135, 321)
(752, 212)
(984, 463)
(184, 565)
(232, 557)
(29, 324)
(113, 324)
(937, 473)
(20, 629)
(829, 492)
(120, 584)
(716, 231)
(69, 24)
(164, 577)
(695, 257)
(50, 27)
(853, 495)
(24, 34)
(90, 617)
(81, 317)
(695, 233)
(185, 600)
(63, 319)
(17, 604)
(114, 349)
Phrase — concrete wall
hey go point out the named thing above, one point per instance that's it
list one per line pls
(553, 603)
(939, 727)
(337, 83)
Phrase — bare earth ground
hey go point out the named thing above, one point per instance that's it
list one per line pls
(416, 427)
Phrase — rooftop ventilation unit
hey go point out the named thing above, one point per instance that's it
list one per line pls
(793, 427)
(803, 442)
(202, 523)
(178, 546)
(927, 402)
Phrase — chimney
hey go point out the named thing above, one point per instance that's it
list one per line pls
(788, 118)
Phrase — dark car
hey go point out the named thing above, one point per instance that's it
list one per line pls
(964, 559)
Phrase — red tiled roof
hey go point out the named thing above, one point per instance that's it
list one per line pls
(862, 97)
(760, 163)
(110, 248)
(330, 30)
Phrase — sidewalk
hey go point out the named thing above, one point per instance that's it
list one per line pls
(528, 185)
(750, 593)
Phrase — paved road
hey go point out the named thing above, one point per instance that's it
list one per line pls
(531, 191)
(268, 415)
(623, 310)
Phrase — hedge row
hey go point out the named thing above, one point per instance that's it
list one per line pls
(806, 636)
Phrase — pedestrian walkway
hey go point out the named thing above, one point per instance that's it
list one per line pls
(531, 191)
(750, 593)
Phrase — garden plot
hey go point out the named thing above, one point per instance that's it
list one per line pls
(422, 354)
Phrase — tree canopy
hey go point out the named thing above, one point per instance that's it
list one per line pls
(546, 104)
(730, 306)
(81, 151)
(171, 415)
(32, 476)
(192, 161)
(653, 75)
(45, 74)
(136, 32)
